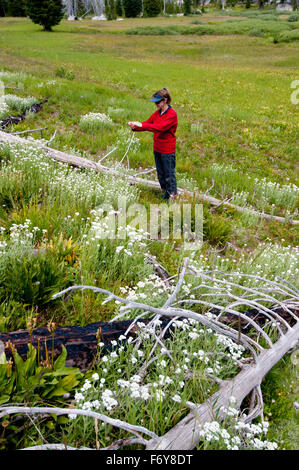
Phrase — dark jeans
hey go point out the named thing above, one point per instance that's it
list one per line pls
(165, 164)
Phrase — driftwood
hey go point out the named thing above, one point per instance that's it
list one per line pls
(10, 120)
(81, 162)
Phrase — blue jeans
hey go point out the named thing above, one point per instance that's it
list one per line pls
(165, 164)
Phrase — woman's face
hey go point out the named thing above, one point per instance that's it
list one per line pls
(161, 105)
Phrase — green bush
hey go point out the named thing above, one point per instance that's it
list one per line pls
(289, 36)
(64, 73)
(29, 381)
(293, 17)
(31, 278)
(12, 316)
(216, 229)
(119, 8)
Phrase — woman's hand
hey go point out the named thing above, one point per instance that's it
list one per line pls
(134, 124)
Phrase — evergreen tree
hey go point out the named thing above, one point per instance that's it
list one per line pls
(110, 9)
(3, 7)
(13, 7)
(119, 8)
(152, 7)
(187, 7)
(48, 13)
(132, 8)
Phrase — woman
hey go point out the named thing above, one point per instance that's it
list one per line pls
(163, 123)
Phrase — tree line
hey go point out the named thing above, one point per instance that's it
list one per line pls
(49, 13)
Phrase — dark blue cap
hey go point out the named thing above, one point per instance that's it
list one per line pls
(156, 98)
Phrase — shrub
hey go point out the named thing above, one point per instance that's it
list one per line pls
(64, 73)
(31, 279)
(33, 381)
(293, 17)
(216, 229)
(15, 8)
(289, 36)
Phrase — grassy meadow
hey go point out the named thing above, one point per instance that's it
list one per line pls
(230, 75)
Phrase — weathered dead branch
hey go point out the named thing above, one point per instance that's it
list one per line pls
(136, 430)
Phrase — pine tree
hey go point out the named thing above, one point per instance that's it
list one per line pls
(3, 7)
(119, 8)
(132, 8)
(152, 7)
(12, 8)
(187, 7)
(48, 13)
(110, 10)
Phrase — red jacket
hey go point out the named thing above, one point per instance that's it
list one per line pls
(164, 127)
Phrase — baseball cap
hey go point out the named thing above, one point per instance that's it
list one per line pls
(156, 98)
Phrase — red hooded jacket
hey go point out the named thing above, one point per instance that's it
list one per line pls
(164, 127)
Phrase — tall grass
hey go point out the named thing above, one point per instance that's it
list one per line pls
(270, 27)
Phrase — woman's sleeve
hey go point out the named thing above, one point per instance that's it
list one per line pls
(163, 126)
(149, 121)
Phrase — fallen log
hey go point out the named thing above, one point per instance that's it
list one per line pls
(81, 162)
(81, 342)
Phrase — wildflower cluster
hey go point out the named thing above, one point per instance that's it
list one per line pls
(4, 109)
(20, 236)
(151, 289)
(19, 104)
(274, 193)
(235, 433)
(236, 350)
(95, 121)
(260, 193)
(268, 261)
(62, 183)
(47, 83)
(12, 77)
